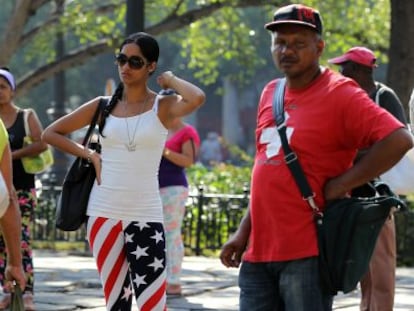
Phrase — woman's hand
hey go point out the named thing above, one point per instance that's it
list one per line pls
(95, 158)
(165, 79)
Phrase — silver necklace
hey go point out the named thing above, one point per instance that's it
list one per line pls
(131, 145)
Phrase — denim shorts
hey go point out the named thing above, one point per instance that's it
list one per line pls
(282, 286)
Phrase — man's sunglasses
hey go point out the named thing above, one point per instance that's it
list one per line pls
(134, 62)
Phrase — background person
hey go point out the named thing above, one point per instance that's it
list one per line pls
(211, 151)
(24, 183)
(10, 223)
(125, 219)
(378, 285)
(180, 152)
(328, 118)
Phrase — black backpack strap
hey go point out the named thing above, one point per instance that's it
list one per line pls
(291, 158)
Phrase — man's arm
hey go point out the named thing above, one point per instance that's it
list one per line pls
(388, 100)
(232, 251)
(379, 158)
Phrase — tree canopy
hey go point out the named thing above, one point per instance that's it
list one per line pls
(208, 39)
(214, 35)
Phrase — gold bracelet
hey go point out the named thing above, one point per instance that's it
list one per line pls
(166, 152)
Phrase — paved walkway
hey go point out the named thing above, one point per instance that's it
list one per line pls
(67, 282)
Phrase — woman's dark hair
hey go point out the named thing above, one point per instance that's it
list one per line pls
(150, 50)
(147, 43)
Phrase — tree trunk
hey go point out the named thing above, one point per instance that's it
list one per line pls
(231, 119)
(401, 52)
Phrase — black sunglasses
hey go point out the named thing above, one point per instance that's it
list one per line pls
(134, 62)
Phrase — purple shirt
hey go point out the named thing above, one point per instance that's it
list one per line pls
(169, 173)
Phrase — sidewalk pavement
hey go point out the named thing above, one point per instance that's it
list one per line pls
(67, 282)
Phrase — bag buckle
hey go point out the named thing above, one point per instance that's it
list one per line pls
(290, 157)
(311, 201)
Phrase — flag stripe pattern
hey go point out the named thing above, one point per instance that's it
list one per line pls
(131, 259)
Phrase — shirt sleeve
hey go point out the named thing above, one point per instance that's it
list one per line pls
(191, 133)
(364, 121)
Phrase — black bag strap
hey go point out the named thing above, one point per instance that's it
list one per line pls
(102, 103)
(291, 158)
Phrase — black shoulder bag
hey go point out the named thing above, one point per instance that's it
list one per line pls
(347, 229)
(77, 184)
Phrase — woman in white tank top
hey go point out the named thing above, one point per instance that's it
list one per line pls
(125, 222)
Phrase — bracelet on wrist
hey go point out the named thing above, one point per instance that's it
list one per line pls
(166, 152)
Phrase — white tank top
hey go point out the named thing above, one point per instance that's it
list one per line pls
(129, 179)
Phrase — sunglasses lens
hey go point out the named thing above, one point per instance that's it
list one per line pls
(136, 62)
(121, 59)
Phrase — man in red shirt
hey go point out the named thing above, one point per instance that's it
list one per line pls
(378, 285)
(328, 118)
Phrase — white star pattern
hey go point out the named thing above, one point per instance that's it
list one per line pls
(140, 252)
(127, 293)
(271, 137)
(128, 238)
(157, 264)
(157, 237)
(145, 264)
(142, 225)
(139, 280)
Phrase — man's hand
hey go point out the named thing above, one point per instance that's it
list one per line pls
(232, 251)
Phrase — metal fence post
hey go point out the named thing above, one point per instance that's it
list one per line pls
(199, 219)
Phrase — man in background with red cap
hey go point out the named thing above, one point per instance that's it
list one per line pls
(358, 64)
(328, 119)
(378, 285)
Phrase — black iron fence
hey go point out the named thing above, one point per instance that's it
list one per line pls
(209, 220)
(44, 228)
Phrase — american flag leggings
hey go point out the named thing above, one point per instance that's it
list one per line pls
(129, 254)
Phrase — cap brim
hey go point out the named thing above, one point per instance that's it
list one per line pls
(343, 59)
(338, 60)
(273, 25)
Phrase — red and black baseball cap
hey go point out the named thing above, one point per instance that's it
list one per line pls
(296, 14)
